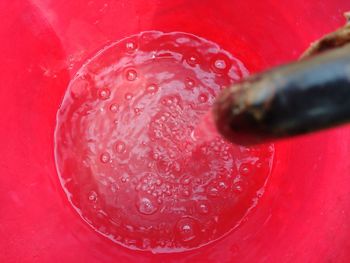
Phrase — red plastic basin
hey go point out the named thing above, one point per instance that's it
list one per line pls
(304, 214)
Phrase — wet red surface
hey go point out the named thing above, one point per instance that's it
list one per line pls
(137, 150)
(304, 213)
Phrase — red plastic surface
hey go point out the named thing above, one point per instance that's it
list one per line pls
(304, 214)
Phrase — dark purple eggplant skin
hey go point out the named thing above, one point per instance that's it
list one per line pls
(297, 98)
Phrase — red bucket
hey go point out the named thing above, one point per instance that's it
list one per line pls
(304, 213)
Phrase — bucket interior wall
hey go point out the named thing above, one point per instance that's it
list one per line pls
(304, 214)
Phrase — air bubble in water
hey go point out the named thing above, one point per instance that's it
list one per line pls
(131, 74)
(192, 60)
(237, 188)
(120, 147)
(152, 88)
(190, 83)
(114, 108)
(92, 196)
(187, 229)
(244, 168)
(146, 206)
(104, 93)
(130, 46)
(202, 208)
(123, 179)
(222, 185)
(105, 157)
(167, 101)
(203, 97)
(220, 64)
(128, 96)
(157, 171)
(212, 191)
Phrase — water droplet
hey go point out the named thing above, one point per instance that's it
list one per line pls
(167, 101)
(203, 97)
(244, 168)
(260, 193)
(237, 188)
(192, 59)
(146, 206)
(187, 229)
(259, 164)
(222, 185)
(105, 157)
(131, 74)
(130, 46)
(190, 83)
(152, 88)
(203, 208)
(220, 64)
(92, 196)
(123, 179)
(120, 147)
(212, 191)
(104, 93)
(128, 96)
(114, 108)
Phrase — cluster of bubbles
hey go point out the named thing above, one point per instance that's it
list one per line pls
(141, 161)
